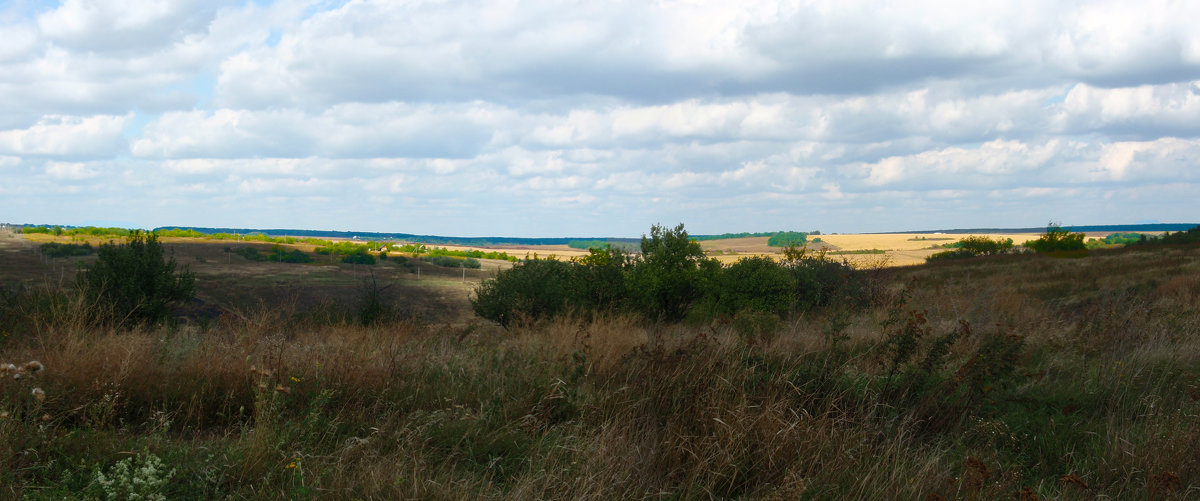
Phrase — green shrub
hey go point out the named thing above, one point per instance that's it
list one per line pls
(359, 258)
(984, 246)
(532, 289)
(54, 249)
(1057, 239)
(756, 284)
(950, 254)
(453, 262)
(599, 279)
(973, 246)
(293, 256)
(671, 280)
(135, 281)
(250, 253)
(820, 281)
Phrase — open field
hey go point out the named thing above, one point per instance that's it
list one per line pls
(900, 249)
(1032, 378)
(228, 283)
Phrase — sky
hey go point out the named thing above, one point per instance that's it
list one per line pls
(587, 118)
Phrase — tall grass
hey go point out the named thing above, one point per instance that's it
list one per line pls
(1021, 375)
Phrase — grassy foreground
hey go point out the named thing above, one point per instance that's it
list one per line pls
(1011, 377)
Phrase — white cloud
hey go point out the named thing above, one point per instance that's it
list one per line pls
(348, 130)
(71, 171)
(1145, 110)
(616, 114)
(67, 136)
(107, 25)
(86, 57)
(1038, 165)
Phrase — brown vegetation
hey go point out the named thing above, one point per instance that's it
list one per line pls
(1060, 378)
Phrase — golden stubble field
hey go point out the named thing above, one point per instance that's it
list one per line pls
(899, 249)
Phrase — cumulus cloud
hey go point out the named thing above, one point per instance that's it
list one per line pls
(114, 56)
(474, 119)
(1144, 111)
(67, 136)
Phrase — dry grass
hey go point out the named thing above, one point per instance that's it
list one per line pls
(1102, 401)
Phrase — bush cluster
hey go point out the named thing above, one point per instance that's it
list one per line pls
(277, 255)
(359, 258)
(974, 246)
(1058, 239)
(453, 262)
(54, 249)
(250, 253)
(669, 280)
(135, 282)
(292, 256)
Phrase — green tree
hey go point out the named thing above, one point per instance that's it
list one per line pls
(787, 239)
(135, 281)
(672, 273)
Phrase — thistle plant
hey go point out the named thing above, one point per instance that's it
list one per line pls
(24, 378)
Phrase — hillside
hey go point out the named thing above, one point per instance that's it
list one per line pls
(988, 378)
